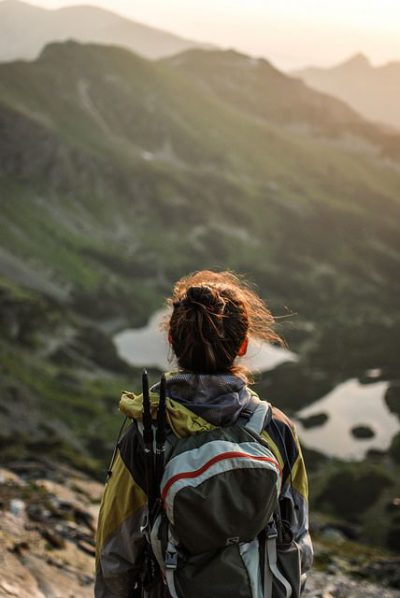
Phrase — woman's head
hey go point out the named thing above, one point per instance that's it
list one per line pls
(213, 315)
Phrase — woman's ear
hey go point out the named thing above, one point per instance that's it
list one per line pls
(243, 347)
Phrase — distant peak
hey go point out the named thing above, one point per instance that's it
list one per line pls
(18, 5)
(358, 60)
(13, 3)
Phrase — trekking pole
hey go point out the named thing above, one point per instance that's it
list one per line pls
(148, 442)
(151, 570)
(160, 437)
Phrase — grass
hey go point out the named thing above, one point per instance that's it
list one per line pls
(88, 413)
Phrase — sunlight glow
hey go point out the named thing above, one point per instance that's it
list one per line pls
(291, 33)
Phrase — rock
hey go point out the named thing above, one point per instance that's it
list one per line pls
(319, 585)
(41, 553)
(362, 432)
(38, 512)
(313, 421)
(9, 477)
(313, 459)
(394, 449)
(392, 397)
(339, 530)
(19, 548)
(58, 580)
(385, 571)
(17, 507)
(393, 542)
(393, 506)
(61, 492)
(351, 492)
(333, 535)
(371, 376)
(16, 581)
(375, 454)
(88, 547)
(53, 538)
(92, 490)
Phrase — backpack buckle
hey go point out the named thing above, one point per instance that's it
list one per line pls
(171, 559)
(271, 530)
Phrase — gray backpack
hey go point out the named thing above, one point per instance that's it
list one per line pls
(218, 530)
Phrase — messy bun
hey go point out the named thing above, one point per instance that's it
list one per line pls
(212, 314)
(203, 297)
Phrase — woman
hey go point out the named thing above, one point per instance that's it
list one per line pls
(213, 315)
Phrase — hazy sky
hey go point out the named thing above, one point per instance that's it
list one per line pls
(291, 33)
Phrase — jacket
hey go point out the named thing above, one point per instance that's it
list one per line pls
(195, 403)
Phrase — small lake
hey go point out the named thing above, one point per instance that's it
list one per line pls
(148, 347)
(350, 404)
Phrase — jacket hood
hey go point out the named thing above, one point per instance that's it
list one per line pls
(205, 400)
(217, 398)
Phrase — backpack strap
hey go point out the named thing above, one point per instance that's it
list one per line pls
(248, 411)
(271, 564)
(260, 417)
(171, 563)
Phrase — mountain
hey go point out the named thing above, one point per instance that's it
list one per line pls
(121, 143)
(260, 90)
(130, 173)
(119, 174)
(25, 29)
(372, 91)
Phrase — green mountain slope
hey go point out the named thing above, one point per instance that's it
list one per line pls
(122, 145)
(260, 90)
(118, 175)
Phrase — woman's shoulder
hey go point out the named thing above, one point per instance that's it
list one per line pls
(282, 419)
(281, 432)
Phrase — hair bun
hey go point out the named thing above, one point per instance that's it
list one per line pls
(205, 296)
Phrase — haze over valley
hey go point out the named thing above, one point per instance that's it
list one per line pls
(373, 91)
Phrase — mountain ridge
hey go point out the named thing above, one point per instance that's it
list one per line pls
(118, 175)
(211, 137)
(25, 29)
(371, 90)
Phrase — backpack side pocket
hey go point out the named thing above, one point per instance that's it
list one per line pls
(288, 562)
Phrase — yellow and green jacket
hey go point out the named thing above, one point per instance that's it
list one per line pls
(195, 403)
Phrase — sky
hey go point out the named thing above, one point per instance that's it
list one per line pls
(291, 33)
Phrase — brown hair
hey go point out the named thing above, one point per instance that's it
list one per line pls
(212, 315)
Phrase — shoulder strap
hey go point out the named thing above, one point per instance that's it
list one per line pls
(247, 412)
(260, 417)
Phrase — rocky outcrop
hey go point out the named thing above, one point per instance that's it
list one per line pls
(47, 531)
(338, 585)
(47, 538)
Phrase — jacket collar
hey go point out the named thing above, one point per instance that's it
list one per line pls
(218, 398)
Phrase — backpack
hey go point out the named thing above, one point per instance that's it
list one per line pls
(214, 519)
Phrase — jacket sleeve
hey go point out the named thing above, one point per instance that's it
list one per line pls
(282, 434)
(295, 495)
(119, 541)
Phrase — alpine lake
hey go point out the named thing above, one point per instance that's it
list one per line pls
(347, 422)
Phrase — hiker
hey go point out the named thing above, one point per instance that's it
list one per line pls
(229, 521)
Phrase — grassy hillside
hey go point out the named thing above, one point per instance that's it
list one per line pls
(125, 157)
(260, 90)
(118, 175)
